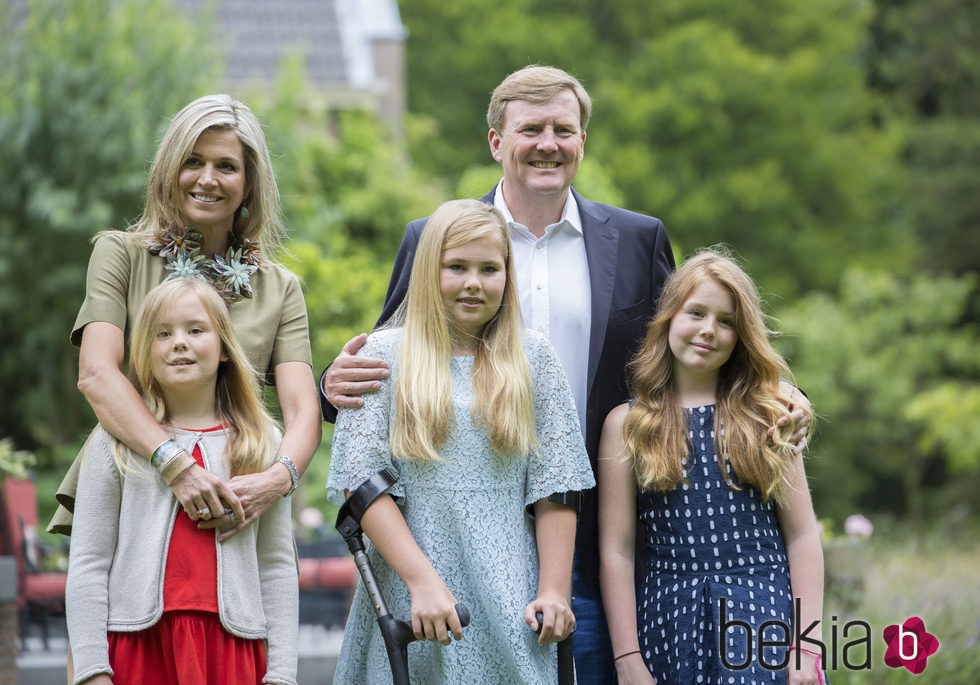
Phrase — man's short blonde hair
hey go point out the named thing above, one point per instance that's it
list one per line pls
(536, 84)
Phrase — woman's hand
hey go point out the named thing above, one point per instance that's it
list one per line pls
(198, 490)
(256, 492)
(434, 612)
(807, 673)
(630, 670)
(557, 620)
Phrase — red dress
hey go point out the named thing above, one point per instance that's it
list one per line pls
(188, 645)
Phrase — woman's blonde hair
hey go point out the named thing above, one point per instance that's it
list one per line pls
(748, 396)
(262, 222)
(504, 398)
(238, 400)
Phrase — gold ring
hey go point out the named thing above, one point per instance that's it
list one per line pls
(203, 513)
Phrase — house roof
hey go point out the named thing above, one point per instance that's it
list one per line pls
(336, 36)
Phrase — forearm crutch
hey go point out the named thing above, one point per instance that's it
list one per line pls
(396, 634)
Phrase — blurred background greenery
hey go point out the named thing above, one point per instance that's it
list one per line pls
(834, 144)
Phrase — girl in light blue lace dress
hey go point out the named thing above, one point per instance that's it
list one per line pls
(702, 461)
(478, 422)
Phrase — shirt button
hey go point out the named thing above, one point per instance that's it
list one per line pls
(540, 287)
(540, 245)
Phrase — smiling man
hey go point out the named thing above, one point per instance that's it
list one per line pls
(588, 277)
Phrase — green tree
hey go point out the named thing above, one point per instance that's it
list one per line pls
(924, 60)
(348, 191)
(891, 366)
(752, 126)
(85, 87)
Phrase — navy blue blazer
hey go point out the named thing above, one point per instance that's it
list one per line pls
(629, 259)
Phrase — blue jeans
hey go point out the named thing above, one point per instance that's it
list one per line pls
(593, 652)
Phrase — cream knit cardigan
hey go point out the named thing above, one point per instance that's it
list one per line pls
(119, 548)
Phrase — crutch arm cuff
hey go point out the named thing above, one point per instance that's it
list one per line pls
(349, 516)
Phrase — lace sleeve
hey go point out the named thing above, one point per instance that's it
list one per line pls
(561, 463)
(360, 438)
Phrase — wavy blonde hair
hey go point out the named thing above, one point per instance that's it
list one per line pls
(214, 113)
(749, 401)
(504, 398)
(237, 398)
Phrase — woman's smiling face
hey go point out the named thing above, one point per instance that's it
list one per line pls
(211, 182)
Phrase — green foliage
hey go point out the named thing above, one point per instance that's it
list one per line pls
(343, 295)
(735, 137)
(346, 184)
(347, 193)
(84, 89)
(924, 60)
(892, 370)
(14, 463)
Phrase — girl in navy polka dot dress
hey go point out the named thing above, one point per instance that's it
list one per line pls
(702, 457)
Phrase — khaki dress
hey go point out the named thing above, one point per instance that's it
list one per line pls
(271, 326)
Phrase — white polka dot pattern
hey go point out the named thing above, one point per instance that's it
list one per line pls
(706, 542)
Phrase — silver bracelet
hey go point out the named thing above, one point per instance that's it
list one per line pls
(293, 472)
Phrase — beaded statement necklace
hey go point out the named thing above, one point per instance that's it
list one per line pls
(229, 275)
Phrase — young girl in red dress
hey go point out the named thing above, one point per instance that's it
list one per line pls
(150, 598)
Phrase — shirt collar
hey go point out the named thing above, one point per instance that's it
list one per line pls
(569, 214)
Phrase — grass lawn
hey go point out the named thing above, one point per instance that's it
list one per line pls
(897, 575)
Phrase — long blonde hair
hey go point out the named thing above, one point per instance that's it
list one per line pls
(504, 397)
(748, 394)
(238, 400)
(262, 222)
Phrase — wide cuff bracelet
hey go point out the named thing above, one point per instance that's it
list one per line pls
(293, 472)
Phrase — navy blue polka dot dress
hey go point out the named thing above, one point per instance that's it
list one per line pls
(706, 544)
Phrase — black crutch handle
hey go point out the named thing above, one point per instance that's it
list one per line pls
(566, 657)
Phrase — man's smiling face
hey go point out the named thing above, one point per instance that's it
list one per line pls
(541, 145)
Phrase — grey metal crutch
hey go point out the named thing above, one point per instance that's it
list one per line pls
(396, 634)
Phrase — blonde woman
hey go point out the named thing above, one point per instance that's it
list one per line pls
(211, 214)
(479, 424)
(150, 597)
(703, 461)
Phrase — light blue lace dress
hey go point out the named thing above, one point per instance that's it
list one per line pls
(467, 514)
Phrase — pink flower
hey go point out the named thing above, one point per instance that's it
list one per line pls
(311, 517)
(858, 525)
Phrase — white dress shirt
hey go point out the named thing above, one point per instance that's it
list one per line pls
(553, 286)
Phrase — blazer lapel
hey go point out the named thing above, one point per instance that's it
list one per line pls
(601, 247)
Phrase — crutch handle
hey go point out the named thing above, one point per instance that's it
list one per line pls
(566, 658)
(463, 613)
